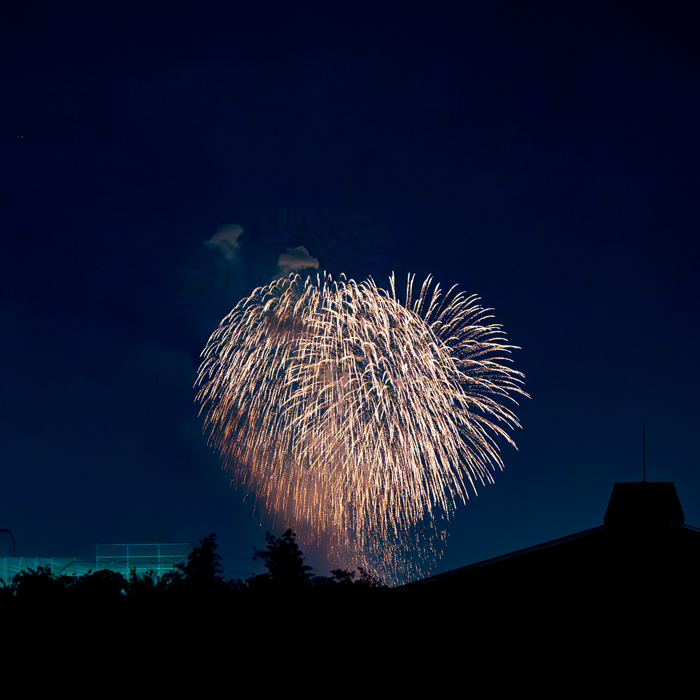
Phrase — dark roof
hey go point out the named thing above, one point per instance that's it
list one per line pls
(644, 503)
(643, 543)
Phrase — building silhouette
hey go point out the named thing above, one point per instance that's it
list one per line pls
(642, 556)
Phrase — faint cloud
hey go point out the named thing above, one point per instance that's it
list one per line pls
(226, 241)
(295, 260)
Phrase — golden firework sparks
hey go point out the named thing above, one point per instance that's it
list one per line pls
(351, 415)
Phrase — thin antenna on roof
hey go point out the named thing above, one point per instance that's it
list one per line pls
(644, 454)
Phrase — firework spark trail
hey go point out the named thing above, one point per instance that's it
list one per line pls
(352, 415)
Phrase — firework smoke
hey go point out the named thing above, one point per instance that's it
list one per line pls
(353, 416)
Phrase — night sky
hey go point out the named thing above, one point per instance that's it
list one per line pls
(544, 155)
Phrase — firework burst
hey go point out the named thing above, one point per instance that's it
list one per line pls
(352, 415)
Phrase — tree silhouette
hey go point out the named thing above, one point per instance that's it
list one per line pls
(146, 585)
(41, 584)
(100, 585)
(202, 575)
(348, 577)
(284, 561)
(200, 581)
(203, 563)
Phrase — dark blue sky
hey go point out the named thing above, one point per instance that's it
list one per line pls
(543, 155)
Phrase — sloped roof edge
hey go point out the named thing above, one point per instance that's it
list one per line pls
(505, 557)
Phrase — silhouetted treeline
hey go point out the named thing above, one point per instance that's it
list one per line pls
(200, 579)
